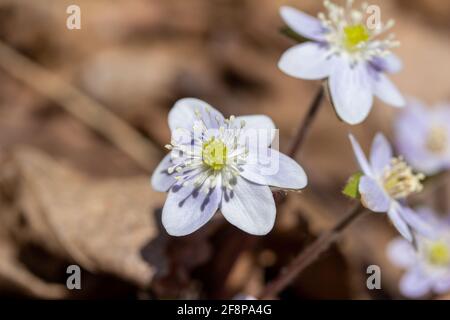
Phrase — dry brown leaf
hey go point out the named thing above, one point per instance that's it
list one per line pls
(101, 225)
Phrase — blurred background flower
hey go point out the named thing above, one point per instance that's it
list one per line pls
(428, 266)
(423, 136)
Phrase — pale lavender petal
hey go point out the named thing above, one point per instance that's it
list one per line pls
(386, 91)
(183, 114)
(351, 91)
(417, 223)
(308, 61)
(187, 209)
(258, 129)
(380, 154)
(428, 214)
(161, 180)
(250, 207)
(414, 284)
(442, 286)
(373, 197)
(390, 63)
(276, 170)
(441, 114)
(399, 223)
(302, 23)
(242, 296)
(411, 132)
(360, 157)
(401, 253)
(256, 122)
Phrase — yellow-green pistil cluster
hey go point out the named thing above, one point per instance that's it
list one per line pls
(355, 35)
(439, 253)
(214, 154)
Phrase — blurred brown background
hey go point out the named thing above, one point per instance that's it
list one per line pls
(69, 195)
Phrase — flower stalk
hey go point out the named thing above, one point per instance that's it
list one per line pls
(310, 255)
(302, 132)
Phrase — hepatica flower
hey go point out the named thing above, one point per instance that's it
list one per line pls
(423, 137)
(227, 164)
(346, 51)
(385, 184)
(428, 265)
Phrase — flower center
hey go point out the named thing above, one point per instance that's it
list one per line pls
(349, 32)
(355, 35)
(399, 180)
(439, 253)
(437, 139)
(214, 154)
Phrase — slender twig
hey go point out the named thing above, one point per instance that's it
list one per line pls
(303, 130)
(90, 112)
(310, 255)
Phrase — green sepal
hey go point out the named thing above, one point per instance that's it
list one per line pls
(351, 189)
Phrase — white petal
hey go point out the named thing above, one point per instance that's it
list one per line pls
(392, 63)
(401, 253)
(399, 223)
(182, 115)
(259, 126)
(351, 91)
(250, 207)
(360, 157)
(186, 209)
(414, 284)
(161, 180)
(386, 91)
(280, 171)
(381, 153)
(308, 61)
(302, 23)
(374, 198)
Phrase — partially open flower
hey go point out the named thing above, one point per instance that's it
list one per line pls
(386, 182)
(423, 137)
(227, 164)
(349, 53)
(428, 267)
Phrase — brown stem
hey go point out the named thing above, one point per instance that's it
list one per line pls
(309, 255)
(299, 138)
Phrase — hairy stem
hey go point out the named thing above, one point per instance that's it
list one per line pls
(302, 132)
(309, 255)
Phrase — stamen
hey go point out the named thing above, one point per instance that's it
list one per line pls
(400, 181)
(349, 35)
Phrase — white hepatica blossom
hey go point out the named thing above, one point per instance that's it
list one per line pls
(428, 266)
(423, 137)
(344, 50)
(217, 163)
(385, 184)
